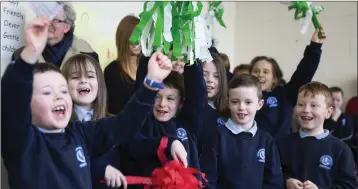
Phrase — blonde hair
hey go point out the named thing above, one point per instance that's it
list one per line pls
(80, 61)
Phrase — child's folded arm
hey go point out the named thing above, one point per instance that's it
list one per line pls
(196, 99)
(349, 129)
(305, 71)
(273, 177)
(16, 120)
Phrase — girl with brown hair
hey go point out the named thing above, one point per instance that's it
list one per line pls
(86, 87)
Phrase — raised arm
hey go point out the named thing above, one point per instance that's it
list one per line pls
(141, 71)
(305, 69)
(209, 163)
(196, 99)
(17, 132)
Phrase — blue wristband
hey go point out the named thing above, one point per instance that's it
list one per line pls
(153, 83)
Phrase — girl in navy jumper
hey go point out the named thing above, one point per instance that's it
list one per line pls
(41, 149)
(241, 155)
(276, 115)
(86, 87)
(216, 83)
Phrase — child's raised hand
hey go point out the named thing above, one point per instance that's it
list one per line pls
(178, 152)
(35, 35)
(114, 178)
(315, 37)
(178, 66)
(292, 183)
(159, 67)
(309, 185)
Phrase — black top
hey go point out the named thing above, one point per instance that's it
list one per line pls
(120, 88)
(37, 160)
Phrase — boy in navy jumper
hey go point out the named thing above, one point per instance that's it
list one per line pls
(41, 149)
(242, 155)
(313, 158)
(339, 124)
(171, 117)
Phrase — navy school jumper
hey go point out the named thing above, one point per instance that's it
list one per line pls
(343, 128)
(324, 160)
(275, 116)
(37, 160)
(241, 161)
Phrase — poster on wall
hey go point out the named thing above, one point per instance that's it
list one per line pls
(12, 26)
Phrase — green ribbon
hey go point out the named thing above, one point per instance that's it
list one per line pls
(219, 12)
(301, 7)
(145, 16)
(182, 30)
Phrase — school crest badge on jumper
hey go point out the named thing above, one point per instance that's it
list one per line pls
(261, 155)
(344, 122)
(326, 162)
(271, 101)
(220, 121)
(80, 157)
(181, 134)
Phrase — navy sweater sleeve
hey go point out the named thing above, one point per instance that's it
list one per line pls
(99, 165)
(209, 163)
(345, 177)
(196, 99)
(17, 132)
(103, 134)
(348, 130)
(143, 148)
(304, 71)
(141, 71)
(273, 177)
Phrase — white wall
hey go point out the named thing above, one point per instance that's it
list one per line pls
(268, 28)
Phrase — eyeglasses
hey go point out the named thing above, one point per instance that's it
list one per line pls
(56, 21)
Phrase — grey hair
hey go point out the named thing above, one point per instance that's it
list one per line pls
(70, 14)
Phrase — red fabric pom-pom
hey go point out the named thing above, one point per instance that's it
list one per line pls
(173, 175)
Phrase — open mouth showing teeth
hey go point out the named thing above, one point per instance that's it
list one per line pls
(161, 112)
(59, 110)
(306, 118)
(84, 90)
(241, 115)
(210, 88)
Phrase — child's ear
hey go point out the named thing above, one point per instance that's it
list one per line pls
(261, 103)
(329, 112)
(181, 103)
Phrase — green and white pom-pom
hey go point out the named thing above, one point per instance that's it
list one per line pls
(178, 24)
(307, 12)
